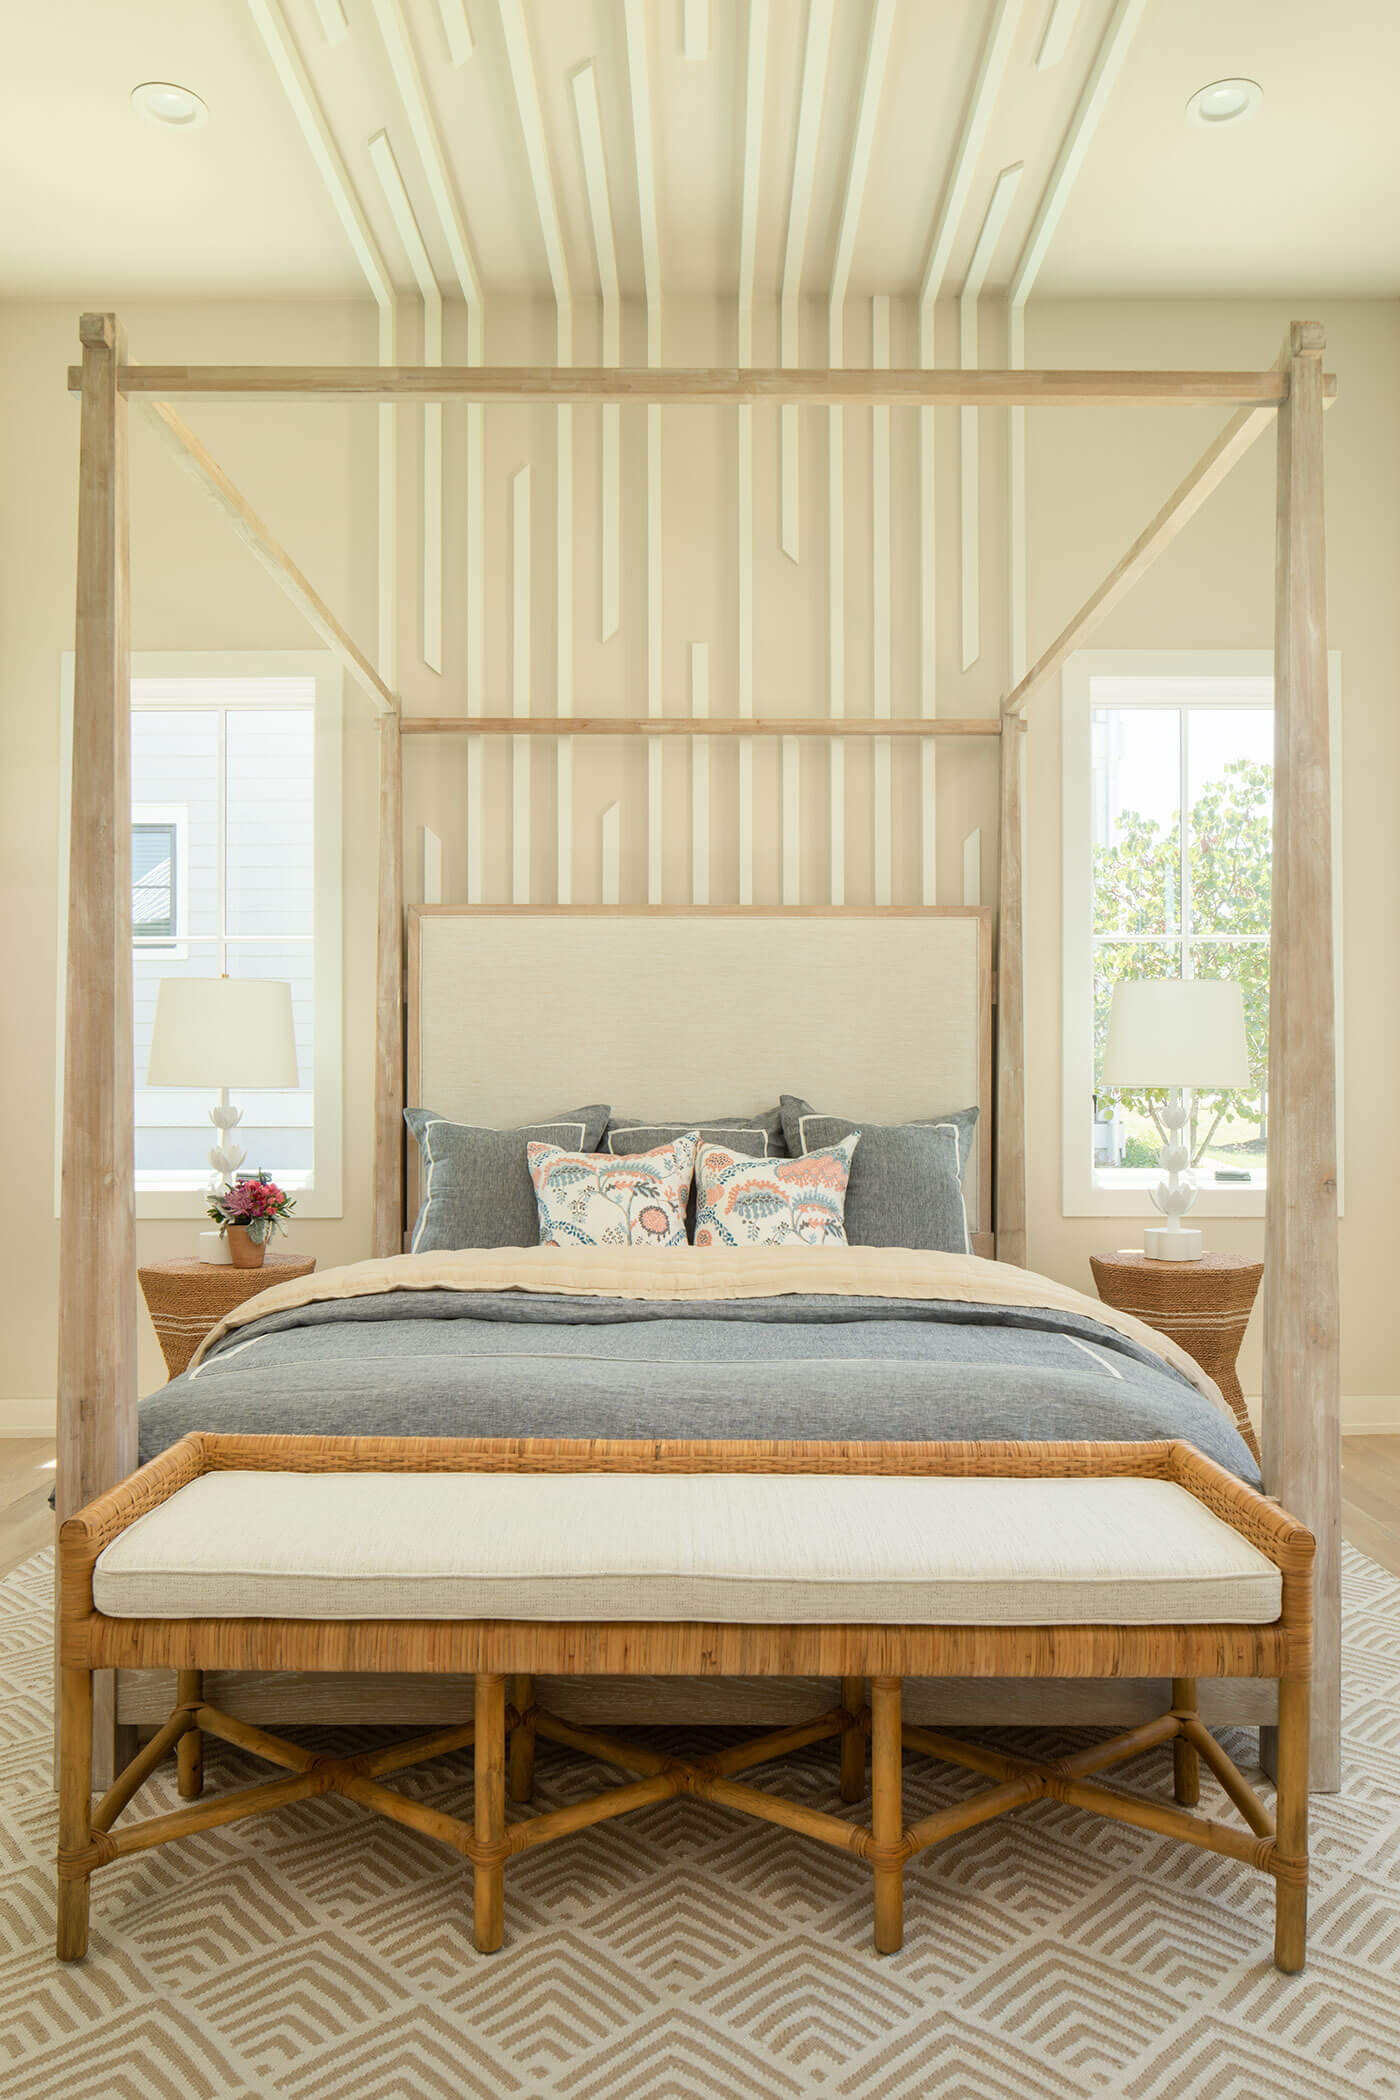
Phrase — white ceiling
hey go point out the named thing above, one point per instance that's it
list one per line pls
(1299, 200)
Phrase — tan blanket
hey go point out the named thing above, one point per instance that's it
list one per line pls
(677, 1274)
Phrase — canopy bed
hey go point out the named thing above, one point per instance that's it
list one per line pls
(955, 1030)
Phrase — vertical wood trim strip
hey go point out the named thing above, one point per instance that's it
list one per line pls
(792, 822)
(1003, 193)
(401, 211)
(1010, 1196)
(836, 643)
(972, 868)
(1302, 1407)
(432, 867)
(612, 855)
(804, 165)
(590, 138)
(564, 652)
(456, 31)
(97, 1233)
(699, 776)
(996, 51)
(520, 683)
(695, 30)
(1016, 579)
(755, 73)
(408, 79)
(881, 606)
(388, 1075)
(635, 26)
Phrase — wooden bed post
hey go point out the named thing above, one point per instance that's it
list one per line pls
(97, 1235)
(388, 1049)
(1010, 1212)
(1302, 1387)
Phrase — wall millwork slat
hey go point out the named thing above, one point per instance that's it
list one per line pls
(1103, 72)
(311, 121)
(804, 167)
(862, 147)
(406, 225)
(432, 867)
(520, 595)
(699, 776)
(408, 79)
(611, 890)
(456, 31)
(991, 68)
(969, 449)
(695, 29)
(972, 868)
(639, 82)
(882, 609)
(755, 72)
(1059, 28)
(527, 98)
(331, 15)
(590, 138)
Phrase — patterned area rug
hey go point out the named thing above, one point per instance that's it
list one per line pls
(688, 1954)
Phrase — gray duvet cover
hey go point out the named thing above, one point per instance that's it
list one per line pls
(471, 1363)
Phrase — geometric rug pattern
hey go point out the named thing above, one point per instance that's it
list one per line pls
(686, 1953)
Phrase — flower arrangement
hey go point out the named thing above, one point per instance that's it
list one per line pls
(255, 1202)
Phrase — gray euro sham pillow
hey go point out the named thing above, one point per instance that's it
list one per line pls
(757, 1137)
(906, 1178)
(476, 1184)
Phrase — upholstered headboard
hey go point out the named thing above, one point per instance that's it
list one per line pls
(518, 1013)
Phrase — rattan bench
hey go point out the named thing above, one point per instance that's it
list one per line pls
(863, 1562)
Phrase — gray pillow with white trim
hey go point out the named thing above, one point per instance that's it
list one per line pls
(477, 1190)
(906, 1178)
(758, 1137)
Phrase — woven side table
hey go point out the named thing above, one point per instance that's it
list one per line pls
(186, 1298)
(1203, 1306)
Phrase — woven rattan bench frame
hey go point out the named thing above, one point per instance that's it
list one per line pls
(505, 1656)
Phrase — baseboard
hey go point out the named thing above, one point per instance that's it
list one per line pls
(1371, 1414)
(26, 1418)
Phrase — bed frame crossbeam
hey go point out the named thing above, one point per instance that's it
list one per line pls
(97, 1345)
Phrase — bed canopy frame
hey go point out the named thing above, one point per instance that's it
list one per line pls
(97, 1423)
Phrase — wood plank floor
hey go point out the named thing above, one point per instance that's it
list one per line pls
(1370, 1497)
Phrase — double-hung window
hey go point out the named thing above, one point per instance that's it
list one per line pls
(235, 866)
(1168, 839)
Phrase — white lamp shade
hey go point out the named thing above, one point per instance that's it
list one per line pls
(1177, 1031)
(223, 1032)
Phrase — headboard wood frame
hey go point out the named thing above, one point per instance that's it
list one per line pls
(911, 1033)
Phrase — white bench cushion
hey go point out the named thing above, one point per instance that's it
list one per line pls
(781, 1549)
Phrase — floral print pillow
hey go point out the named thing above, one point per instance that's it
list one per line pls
(591, 1199)
(772, 1202)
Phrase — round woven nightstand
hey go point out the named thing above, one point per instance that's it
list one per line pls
(1203, 1306)
(186, 1298)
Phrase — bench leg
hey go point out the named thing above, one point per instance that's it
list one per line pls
(1186, 1759)
(489, 1813)
(189, 1751)
(1291, 1817)
(522, 1741)
(887, 1810)
(74, 1808)
(853, 1741)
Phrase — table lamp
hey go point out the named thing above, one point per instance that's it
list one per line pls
(219, 1032)
(1176, 1032)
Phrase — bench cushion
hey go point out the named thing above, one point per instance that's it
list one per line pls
(811, 1549)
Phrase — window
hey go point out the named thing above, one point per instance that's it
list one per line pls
(157, 890)
(1168, 835)
(235, 772)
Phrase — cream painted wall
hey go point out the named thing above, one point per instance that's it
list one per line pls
(1093, 479)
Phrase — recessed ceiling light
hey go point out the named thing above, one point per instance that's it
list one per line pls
(164, 103)
(1223, 102)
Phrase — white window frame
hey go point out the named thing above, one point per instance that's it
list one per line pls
(177, 815)
(324, 1198)
(1240, 677)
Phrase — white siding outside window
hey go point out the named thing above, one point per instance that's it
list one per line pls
(1168, 804)
(236, 827)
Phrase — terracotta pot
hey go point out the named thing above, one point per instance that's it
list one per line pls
(245, 1253)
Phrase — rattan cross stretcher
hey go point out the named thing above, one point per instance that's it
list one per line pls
(504, 1656)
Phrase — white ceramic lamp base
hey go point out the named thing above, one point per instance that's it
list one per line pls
(1163, 1243)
